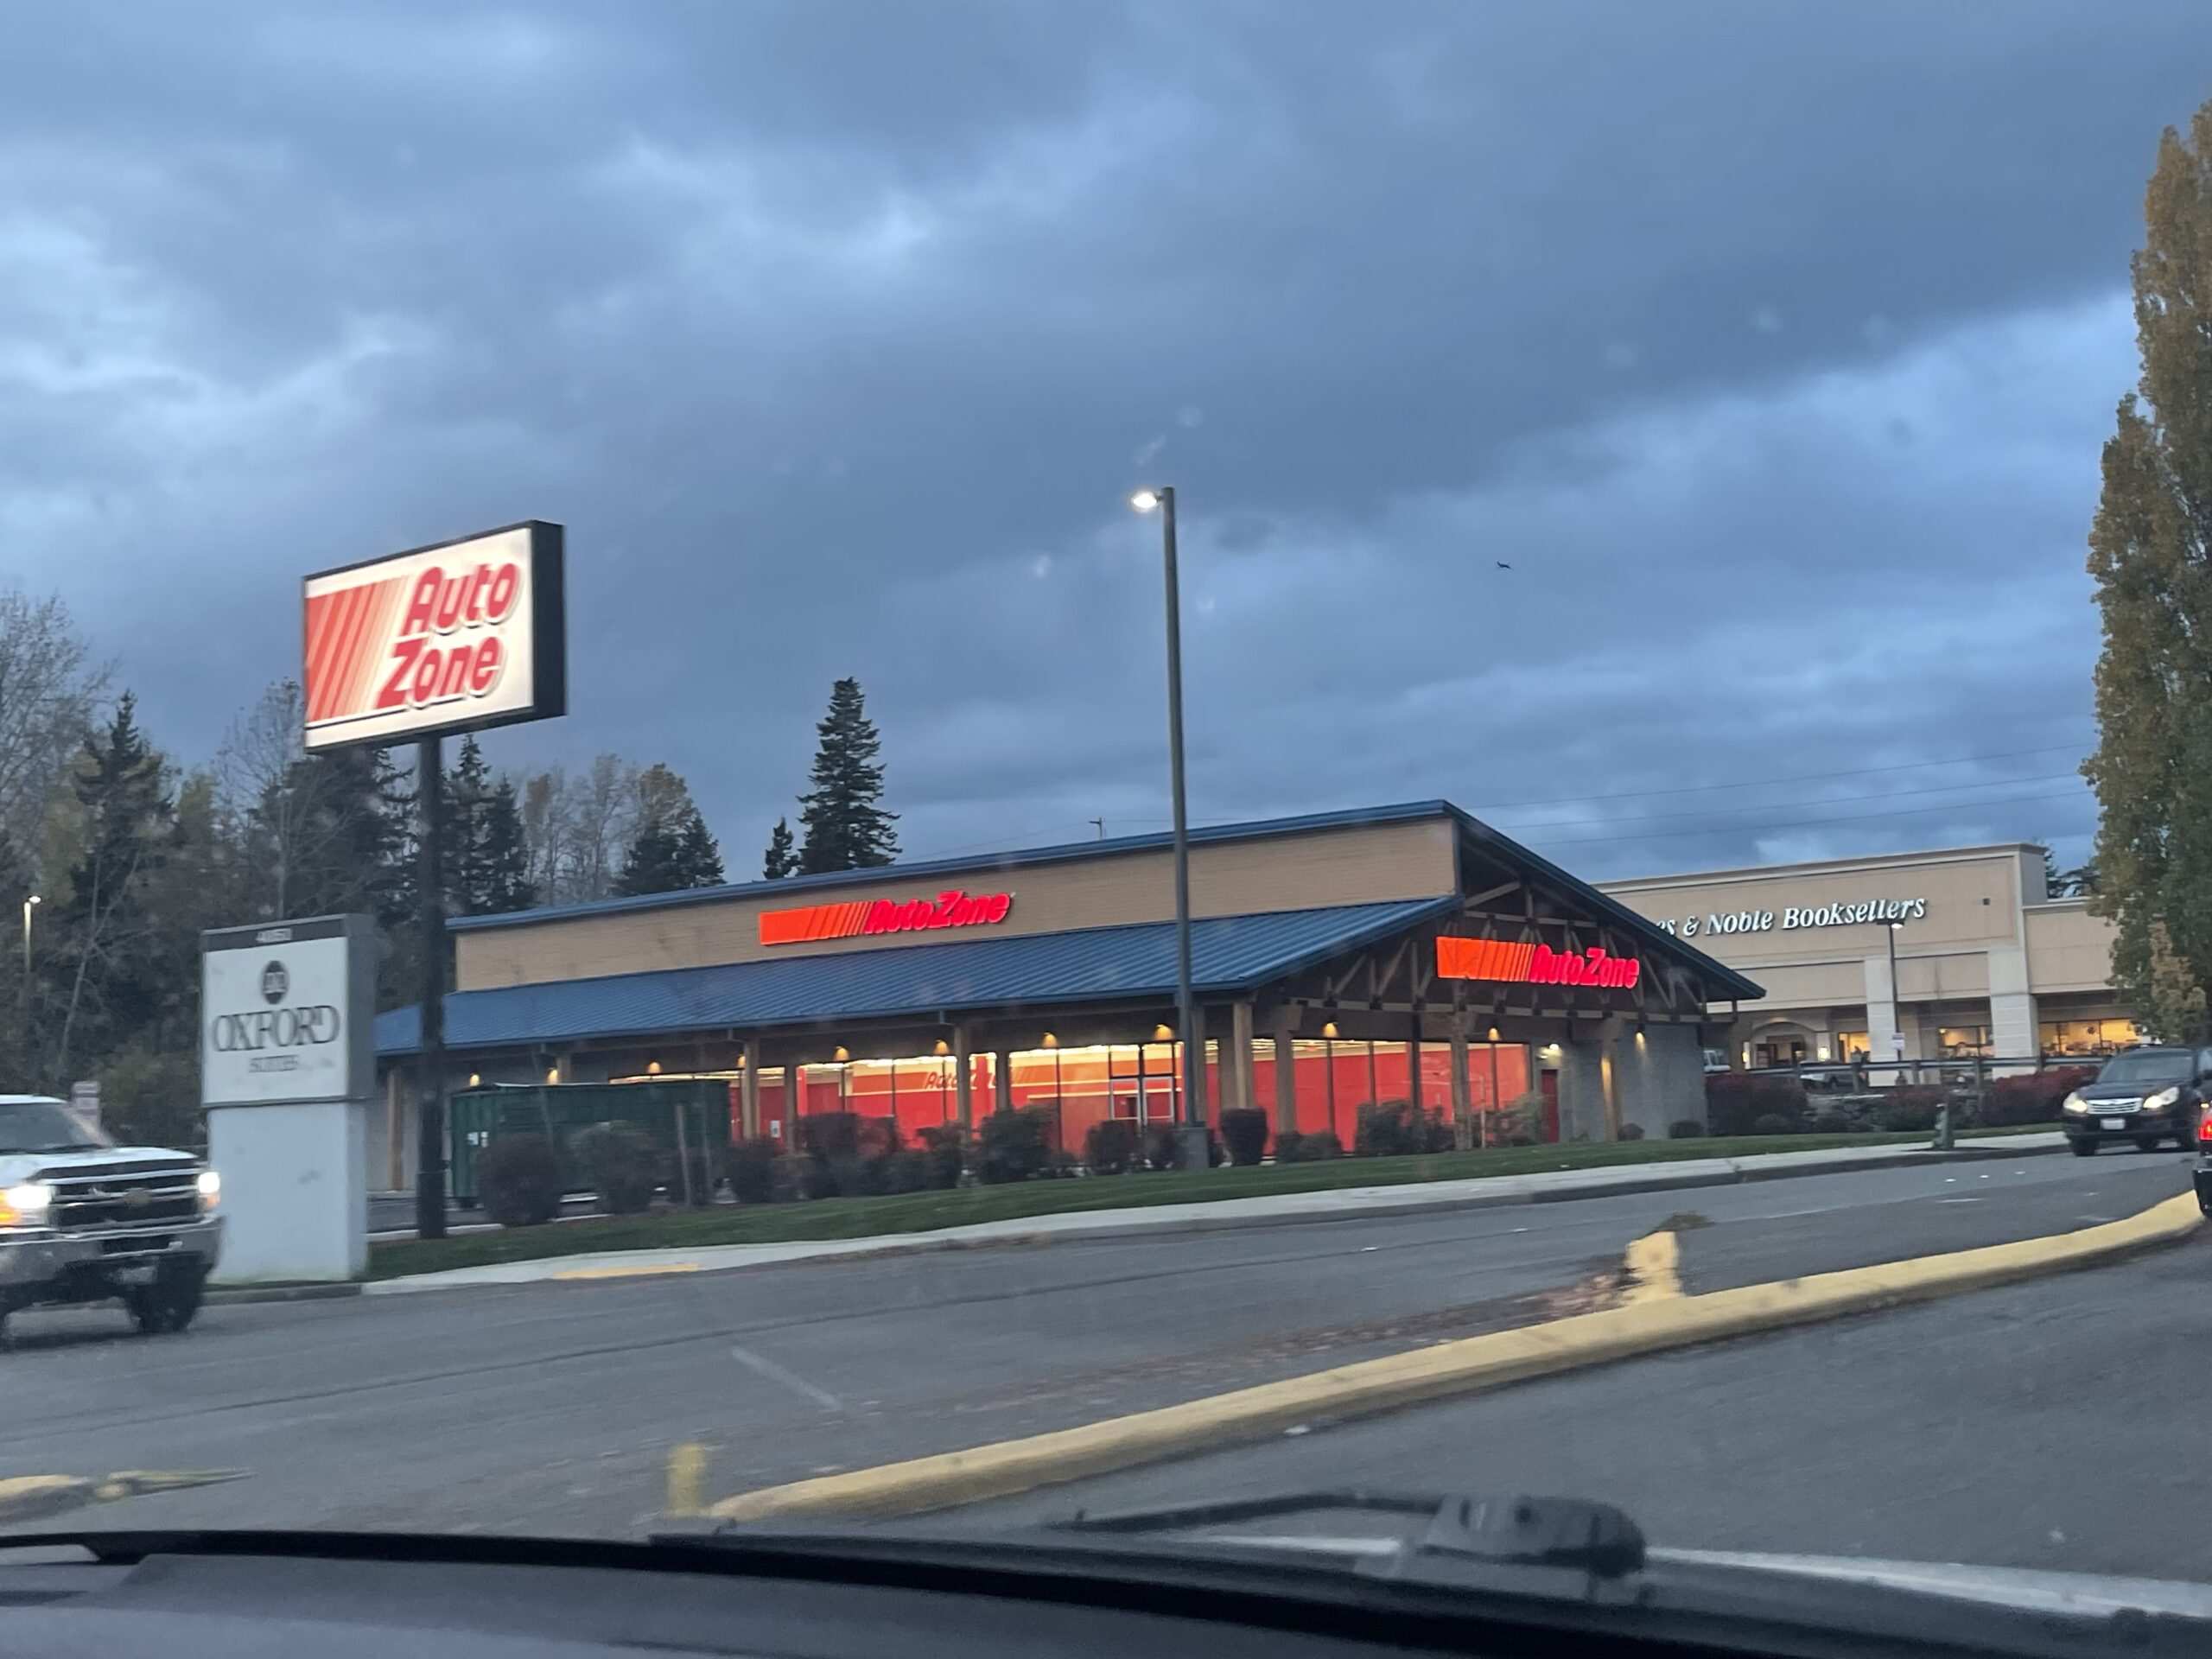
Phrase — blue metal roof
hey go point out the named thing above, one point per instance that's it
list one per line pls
(1228, 954)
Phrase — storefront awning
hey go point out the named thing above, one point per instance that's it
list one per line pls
(1229, 954)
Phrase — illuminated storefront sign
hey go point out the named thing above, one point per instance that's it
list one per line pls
(1795, 915)
(955, 908)
(1529, 963)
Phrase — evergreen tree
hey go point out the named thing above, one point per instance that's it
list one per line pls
(782, 859)
(2148, 553)
(672, 847)
(487, 863)
(846, 829)
(107, 980)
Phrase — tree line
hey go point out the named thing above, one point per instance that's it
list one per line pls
(120, 856)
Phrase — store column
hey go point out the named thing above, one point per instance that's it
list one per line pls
(2012, 1006)
(964, 1078)
(1237, 1084)
(1463, 1105)
(1001, 1080)
(1282, 1025)
(748, 1091)
(1883, 1034)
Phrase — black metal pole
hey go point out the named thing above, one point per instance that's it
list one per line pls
(1194, 1059)
(430, 1159)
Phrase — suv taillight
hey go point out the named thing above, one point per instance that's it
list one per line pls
(2204, 1129)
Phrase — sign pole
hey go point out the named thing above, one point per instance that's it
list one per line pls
(430, 1163)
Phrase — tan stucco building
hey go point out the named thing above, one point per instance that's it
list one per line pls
(1988, 964)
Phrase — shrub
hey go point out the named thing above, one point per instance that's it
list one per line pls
(1244, 1132)
(1631, 1131)
(1830, 1121)
(799, 1176)
(830, 1135)
(1909, 1109)
(1014, 1145)
(1437, 1134)
(752, 1166)
(2034, 1097)
(1390, 1130)
(1734, 1101)
(623, 1163)
(1111, 1147)
(1685, 1129)
(1773, 1123)
(1159, 1147)
(1519, 1122)
(944, 1146)
(1315, 1148)
(518, 1180)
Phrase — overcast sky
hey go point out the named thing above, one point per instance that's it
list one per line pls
(1770, 346)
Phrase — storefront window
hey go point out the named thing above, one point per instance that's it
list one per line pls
(2085, 1039)
(1966, 1042)
(1851, 1048)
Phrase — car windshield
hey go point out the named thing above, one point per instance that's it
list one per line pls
(2149, 1065)
(44, 1126)
(1356, 687)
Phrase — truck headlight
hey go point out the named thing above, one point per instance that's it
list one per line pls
(2164, 1097)
(2075, 1103)
(26, 1206)
(211, 1189)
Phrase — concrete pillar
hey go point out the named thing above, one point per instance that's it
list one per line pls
(1582, 1088)
(748, 1091)
(399, 1130)
(1659, 1077)
(964, 1079)
(794, 1089)
(1237, 1087)
(1463, 1105)
(1001, 1080)
(1281, 1024)
(2012, 1034)
(1882, 1027)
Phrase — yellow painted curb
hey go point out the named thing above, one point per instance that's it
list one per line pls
(1476, 1363)
(645, 1272)
(1654, 1263)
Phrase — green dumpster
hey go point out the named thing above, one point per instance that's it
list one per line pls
(476, 1116)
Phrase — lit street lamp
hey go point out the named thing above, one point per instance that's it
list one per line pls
(1191, 1133)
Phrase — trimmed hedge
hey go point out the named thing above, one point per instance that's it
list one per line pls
(1909, 1109)
(1686, 1128)
(623, 1163)
(1111, 1146)
(2033, 1097)
(1015, 1146)
(1244, 1132)
(1293, 1147)
(1735, 1100)
(518, 1180)
(752, 1170)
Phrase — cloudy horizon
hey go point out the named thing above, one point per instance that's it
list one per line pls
(1770, 349)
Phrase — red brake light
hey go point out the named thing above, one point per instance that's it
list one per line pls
(2204, 1129)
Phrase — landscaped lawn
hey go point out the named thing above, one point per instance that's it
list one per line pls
(915, 1212)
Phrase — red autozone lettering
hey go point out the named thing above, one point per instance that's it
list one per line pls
(1527, 963)
(422, 668)
(951, 909)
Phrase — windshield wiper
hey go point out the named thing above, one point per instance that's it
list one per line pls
(1468, 1542)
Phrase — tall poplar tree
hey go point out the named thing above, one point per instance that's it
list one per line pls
(2150, 554)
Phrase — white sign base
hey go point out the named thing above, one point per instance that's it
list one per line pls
(295, 1190)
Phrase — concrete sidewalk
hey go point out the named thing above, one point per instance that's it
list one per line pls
(1341, 1204)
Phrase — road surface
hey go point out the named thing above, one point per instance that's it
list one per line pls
(552, 1408)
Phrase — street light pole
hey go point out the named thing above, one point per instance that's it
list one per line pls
(1191, 1133)
(1896, 999)
(28, 903)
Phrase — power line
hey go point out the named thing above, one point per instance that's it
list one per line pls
(1812, 824)
(1772, 806)
(1801, 778)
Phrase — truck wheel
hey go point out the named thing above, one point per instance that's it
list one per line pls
(165, 1304)
(2083, 1148)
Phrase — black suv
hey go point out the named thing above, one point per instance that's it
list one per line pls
(2145, 1094)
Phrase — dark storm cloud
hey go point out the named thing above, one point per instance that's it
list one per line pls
(1771, 347)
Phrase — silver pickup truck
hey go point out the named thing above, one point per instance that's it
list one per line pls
(84, 1220)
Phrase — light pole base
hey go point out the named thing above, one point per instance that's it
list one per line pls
(1193, 1147)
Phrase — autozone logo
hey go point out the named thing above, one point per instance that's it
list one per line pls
(1530, 963)
(953, 908)
(401, 643)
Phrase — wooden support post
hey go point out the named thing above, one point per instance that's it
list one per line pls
(1284, 1022)
(1001, 1080)
(964, 1079)
(1237, 1087)
(748, 1091)
(1463, 1105)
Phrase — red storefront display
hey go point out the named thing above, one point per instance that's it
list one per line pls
(1333, 1080)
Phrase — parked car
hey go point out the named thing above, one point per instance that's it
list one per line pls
(84, 1220)
(2146, 1094)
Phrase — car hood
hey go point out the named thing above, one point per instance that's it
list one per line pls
(22, 1166)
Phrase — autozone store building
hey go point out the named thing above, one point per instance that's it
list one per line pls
(1402, 952)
